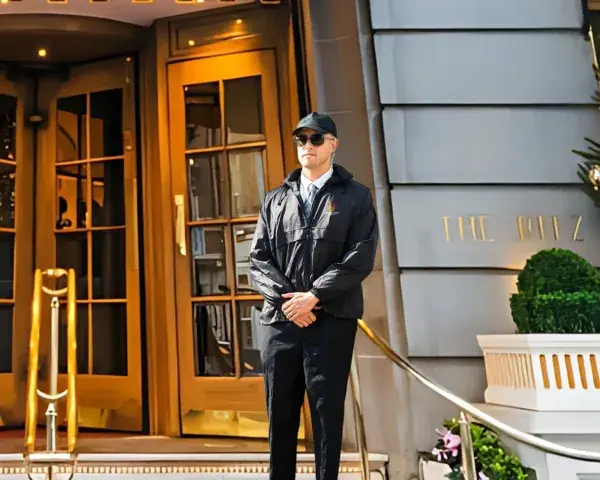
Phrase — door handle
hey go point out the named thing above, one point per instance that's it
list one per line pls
(180, 224)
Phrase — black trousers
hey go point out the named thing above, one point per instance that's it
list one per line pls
(316, 359)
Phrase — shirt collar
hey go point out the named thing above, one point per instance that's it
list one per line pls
(319, 182)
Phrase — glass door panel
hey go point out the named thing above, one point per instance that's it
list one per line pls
(16, 213)
(226, 153)
(92, 189)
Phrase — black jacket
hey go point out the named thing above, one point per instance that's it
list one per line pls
(329, 254)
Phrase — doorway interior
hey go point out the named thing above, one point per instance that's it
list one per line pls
(72, 169)
(69, 198)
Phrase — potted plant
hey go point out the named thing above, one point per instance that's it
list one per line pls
(551, 362)
(492, 460)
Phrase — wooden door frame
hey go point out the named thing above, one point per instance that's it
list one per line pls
(238, 393)
(158, 211)
(96, 76)
(12, 410)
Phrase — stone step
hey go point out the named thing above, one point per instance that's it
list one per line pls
(210, 466)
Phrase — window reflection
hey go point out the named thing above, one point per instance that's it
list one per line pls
(7, 195)
(108, 264)
(108, 193)
(72, 252)
(91, 194)
(82, 339)
(106, 123)
(252, 333)
(202, 115)
(247, 181)
(109, 337)
(71, 119)
(71, 190)
(225, 183)
(7, 260)
(213, 340)
(206, 186)
(6, 331)
(209, 273)
(8, 115)
(243, 235)
(243, 110)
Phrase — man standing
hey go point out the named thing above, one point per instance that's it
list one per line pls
(314, 244)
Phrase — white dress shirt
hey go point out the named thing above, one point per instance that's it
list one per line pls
(319, 182)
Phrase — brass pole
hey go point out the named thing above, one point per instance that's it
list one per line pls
(32, 374)
(72, 362)
(51, 458)
(359, 423)
(466, 442)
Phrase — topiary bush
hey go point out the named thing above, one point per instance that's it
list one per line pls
(558, 292)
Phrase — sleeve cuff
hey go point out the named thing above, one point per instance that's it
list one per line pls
(315, 293)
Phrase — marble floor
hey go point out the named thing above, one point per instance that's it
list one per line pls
(11, 441)
(112, 456)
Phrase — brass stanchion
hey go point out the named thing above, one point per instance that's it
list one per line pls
(52, 458)
(359, 422)
(468, 455)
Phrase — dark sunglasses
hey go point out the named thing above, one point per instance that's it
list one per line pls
(316, 139)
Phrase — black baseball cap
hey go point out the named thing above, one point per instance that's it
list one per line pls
(318, 122)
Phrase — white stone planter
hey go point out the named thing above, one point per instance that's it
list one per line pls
(543, 372)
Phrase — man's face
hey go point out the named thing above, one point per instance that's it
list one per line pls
(313, 156)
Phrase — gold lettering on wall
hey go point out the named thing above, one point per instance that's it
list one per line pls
(525, 227)
(475, 223)
(527, 231)
(576, 229)
(475, 228)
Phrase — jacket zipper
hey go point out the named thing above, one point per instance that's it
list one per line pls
(307, 224)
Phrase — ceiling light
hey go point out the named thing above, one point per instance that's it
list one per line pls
(191, 43)
(42, 52)
(238, 21)
(3, 1)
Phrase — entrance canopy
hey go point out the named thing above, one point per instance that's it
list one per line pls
(138, 12)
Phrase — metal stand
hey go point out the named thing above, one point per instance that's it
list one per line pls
(51, 460)
(359, 422)
(468, 455)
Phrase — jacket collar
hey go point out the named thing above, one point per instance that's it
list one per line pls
(340, 174)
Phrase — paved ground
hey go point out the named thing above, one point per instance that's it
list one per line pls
(11, 441)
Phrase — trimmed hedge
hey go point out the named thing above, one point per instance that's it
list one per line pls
(558, 292)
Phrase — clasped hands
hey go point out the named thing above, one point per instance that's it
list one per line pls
(299, 308)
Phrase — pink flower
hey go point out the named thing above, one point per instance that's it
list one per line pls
(439, 454)
(452, 443)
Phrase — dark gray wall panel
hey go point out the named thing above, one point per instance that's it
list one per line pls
(484, 68)
(423, 240)
(486, 145)
(429, 14)
(444, 311)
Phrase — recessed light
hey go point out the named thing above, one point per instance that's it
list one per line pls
(42, 52)
(191, 43)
